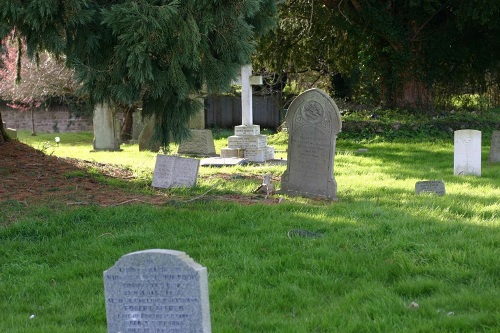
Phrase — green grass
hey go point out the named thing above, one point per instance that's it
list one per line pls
(382, 248)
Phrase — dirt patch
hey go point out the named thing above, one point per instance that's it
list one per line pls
(29, 176)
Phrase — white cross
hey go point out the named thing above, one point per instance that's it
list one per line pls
(247, 80)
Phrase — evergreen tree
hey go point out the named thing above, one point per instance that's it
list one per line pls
(408, 50)
(161, 53)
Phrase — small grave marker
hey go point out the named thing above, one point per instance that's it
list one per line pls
(174, 171)
(157, 291)
(467, 153)
(430, 186)
(495, 147)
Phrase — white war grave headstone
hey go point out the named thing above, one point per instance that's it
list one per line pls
(313, 121)
(175, 171)
(495, 147)
(157, 291)
(467, 152)
(247, 136)
(106, 128)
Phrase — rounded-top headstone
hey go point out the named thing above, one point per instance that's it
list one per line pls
(313, 121)
(161, 291)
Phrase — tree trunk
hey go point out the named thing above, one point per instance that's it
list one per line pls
(128, 120)
(3, 133)
(414, 94)
(33, 132)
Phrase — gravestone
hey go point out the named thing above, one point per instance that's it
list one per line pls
(137, 125)
(201, 142)
(467, 152)
(157, 291)
(313, 121)
(175, 171)
(145, 138)
(247, 136)
(106, 129)
(430, 186)
(495, 147)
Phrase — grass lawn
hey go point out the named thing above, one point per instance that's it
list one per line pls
(379, 249)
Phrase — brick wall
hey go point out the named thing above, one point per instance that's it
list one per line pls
(220, 111)
(57, 119)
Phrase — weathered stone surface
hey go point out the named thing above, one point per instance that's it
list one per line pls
(200, 143)
(174, 171)
(430, 186)
(495, 147)
(313, 121)
(247, 130)
(161, 291)
(145, 138)
(467, 152)
(232, 152)
(247, 141)
(106, 128)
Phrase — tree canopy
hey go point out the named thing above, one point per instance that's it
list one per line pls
(410, 49)
(161, 53)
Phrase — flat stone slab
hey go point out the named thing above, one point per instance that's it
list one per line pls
(175, 171)
(160, 291)
(430, 186)
(221, 161)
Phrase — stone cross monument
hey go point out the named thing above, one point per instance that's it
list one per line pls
(247, 140)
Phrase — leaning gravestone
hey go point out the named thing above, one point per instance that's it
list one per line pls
(430, 186)
(467, 153)
(313, 121)
(157, 291)
(495, 147)
(174, 171)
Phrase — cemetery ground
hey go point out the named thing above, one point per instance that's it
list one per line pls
(380, 259)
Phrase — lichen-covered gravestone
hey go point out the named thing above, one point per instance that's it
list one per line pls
(313, 122)
(157, 291)
(467, 152)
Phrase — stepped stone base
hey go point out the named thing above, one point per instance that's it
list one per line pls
(248, 143)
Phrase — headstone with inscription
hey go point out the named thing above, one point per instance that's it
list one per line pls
(430, 186)
(175, 171)
(157, 291)
(495, 147)
(467, 152)
(313, 121)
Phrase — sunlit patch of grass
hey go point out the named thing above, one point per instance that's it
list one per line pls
(381, 248)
